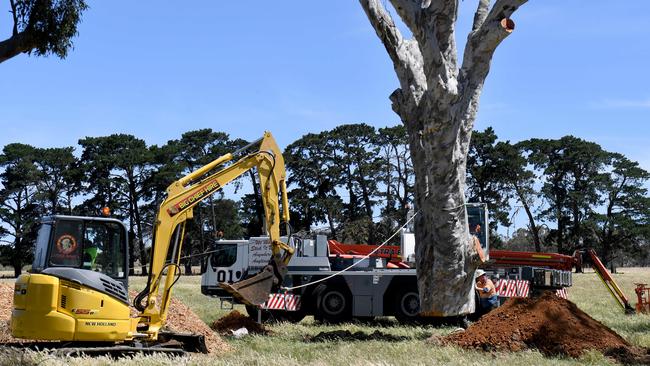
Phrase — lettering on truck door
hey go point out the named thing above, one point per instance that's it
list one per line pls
(259, 253)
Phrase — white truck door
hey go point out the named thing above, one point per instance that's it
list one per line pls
(228, 263)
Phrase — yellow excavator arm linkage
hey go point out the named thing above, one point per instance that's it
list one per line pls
(176, 209)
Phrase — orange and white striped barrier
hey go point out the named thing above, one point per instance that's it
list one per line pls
(289, 302)
(520, 288)
(562, 293)
(512, 288)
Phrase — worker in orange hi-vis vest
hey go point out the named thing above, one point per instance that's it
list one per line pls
(487, 292)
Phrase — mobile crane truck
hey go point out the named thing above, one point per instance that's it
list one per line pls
(77, 291)
(320, 282)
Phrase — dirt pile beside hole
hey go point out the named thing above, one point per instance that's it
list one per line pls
(6, 305)
(346, 335)
(550, 324)
(181, 319)
(236, 320)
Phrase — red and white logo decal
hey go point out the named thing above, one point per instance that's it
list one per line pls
(66, 244)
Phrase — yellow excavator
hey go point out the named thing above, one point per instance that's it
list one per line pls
(77, 290)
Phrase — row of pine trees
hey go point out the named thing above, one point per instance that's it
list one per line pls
(355, 182)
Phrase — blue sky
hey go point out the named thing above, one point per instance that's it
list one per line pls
(156, 69)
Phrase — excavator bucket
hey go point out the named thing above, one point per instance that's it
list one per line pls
(252, 291)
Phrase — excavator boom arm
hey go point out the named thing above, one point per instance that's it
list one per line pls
(184, 194)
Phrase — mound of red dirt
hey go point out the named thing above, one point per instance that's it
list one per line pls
(550, 324)
(236, 320)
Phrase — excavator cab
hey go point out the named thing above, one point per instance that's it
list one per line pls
(88, 243)
(77, 288)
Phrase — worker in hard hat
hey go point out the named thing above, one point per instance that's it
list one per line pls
(488, 299)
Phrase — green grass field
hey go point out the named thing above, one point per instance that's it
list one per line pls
(286, 346)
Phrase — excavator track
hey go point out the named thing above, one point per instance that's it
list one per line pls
(79, 349)
(176, 344)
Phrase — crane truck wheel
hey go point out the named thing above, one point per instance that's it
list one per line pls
(407, 305)
(334, 305)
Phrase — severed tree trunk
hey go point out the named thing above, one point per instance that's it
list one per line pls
(437, 101)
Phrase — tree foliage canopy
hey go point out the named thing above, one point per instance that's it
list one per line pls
(355, 182)
(42, 27)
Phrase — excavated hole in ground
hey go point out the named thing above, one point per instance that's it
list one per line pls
(346, 335)
(236, 320)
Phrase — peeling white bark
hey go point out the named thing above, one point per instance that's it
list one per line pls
(437, 101)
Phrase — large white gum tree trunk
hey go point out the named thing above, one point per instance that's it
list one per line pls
(437, 101)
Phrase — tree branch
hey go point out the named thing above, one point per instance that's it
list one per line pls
(505, 8)
(441, 48)
(488, 32)
(481, 14)
(433, 26)
(408, 11)
(15, 17)
(405, 54)
(14, 46)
